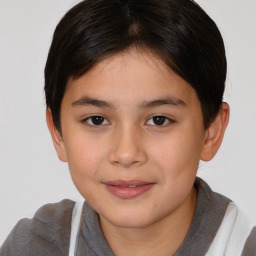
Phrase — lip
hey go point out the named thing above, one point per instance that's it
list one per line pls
(128, 189)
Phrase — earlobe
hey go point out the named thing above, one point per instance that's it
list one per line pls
(56, 137)
(215, 134)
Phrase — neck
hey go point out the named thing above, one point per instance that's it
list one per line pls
(164, 237)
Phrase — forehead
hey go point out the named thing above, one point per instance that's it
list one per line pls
(131, 75)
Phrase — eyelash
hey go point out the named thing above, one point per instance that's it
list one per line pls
(164, 121)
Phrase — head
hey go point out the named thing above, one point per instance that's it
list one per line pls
(178, 31)
(134, 100)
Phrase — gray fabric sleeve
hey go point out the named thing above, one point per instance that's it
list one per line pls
(16, 235)
(250, 245)
(46, 234)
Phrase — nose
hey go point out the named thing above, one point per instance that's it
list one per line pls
(127, 148)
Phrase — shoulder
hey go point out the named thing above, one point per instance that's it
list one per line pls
(250, 245)
(47, 233)
(234, 233)
(56, 213)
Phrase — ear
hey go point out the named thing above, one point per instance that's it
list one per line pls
(56, 137)
(214, 134)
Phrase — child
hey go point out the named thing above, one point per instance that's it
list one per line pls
(134, 101)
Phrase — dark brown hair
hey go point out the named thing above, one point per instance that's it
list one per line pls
(179, 31)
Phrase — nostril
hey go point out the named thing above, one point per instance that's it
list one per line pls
(128, 158)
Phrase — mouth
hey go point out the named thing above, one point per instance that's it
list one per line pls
(128, 189)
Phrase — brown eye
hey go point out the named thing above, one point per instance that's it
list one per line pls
(159, 121)
(96, 120)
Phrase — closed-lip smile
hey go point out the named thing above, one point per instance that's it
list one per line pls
(128, 189)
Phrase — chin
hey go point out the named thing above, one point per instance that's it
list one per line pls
(129, 219)
(130, 223)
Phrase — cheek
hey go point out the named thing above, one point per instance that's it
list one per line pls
(84, 158)
(84, 162)
(178, 154)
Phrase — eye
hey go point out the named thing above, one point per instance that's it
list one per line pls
(96, 120)
(159, 121)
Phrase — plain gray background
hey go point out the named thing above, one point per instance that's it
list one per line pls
(30, 172)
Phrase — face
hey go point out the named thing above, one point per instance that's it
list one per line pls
(132, 134)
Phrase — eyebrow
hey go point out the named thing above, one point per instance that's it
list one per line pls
(86, 101)
(164, 101)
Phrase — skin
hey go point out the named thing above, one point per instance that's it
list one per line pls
(128, 90)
